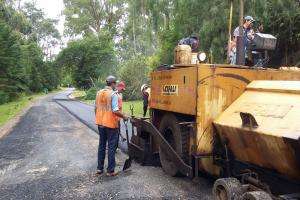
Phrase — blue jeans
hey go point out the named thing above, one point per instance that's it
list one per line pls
(110, 136)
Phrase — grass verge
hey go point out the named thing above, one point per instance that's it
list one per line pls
(137, 108)
(137, 105)
(11, 109)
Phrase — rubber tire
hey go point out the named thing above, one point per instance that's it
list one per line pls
(231, 187)
(180, 143)
(256, 195)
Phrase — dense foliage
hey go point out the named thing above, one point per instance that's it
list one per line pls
(126, 38)
(88, 60)
(170, 20)
(22, 56)
(134, 72)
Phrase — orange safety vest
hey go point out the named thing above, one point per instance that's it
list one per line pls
(104, 114)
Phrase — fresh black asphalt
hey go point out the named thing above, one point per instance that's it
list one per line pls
(50, 154)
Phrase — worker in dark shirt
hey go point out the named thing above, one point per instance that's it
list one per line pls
(145, 89)
(248, 34)
(192, 41)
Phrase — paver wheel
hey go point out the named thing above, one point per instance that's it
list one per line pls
(256, 195)
(227, 189)
(178, 138)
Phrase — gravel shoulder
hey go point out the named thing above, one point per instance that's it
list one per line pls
(49, 154)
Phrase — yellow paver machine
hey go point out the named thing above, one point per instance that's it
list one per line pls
(239, 124)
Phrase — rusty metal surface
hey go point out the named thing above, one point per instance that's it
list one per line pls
(218, 87)
(275, 106)
(209, 89)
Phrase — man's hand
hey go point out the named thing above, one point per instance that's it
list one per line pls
(120, 114)
(125, 118)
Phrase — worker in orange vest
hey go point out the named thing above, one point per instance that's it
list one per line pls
(107, 115)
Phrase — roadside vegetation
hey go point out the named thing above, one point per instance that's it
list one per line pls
(26, 39)
(137, 108)
(124, 38)
(11, 109)
(151, 29)
(136, 104)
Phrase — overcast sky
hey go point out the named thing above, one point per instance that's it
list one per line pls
(53, 9)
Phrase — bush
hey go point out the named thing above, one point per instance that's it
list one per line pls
(91, 93)
(134, 73)
(4, 97)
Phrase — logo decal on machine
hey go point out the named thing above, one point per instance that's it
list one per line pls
(170, 90)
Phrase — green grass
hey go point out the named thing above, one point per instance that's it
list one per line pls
(11, 109)
(92, 102)
(79, 94)
(137, 108)
(137, 105)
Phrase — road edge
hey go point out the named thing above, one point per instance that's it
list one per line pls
(8, 126)
(74, 115)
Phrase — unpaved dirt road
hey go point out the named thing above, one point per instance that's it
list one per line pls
(52, 155)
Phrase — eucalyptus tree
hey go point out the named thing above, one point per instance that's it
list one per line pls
(42, 29)
(22, 66)
(88, 60)
(90, 16)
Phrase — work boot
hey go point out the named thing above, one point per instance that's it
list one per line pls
(111, 173)
(99, 172)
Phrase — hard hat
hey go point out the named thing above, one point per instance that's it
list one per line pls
(121, 86)
(144, 86)
(195, 37)
(111, 79)
(249, 18)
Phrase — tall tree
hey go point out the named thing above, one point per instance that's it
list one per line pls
(23, 33)
(89, 59)
(43, 29)
(10, 68)
(90, 16)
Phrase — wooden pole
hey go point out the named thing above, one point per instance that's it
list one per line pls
(240, 39)
(229, 30)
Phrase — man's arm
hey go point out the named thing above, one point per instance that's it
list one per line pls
(95, 109)
(236, 34)
(115, 107)
(120, 114)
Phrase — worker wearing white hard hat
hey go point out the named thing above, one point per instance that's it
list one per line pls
(145, 90)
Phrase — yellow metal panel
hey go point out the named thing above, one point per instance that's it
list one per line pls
(174, 90)
(271, 144)
(218, 87)
(275, 86)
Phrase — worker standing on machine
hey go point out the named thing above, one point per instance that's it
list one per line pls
(145, 89)
(192, 41)
(107, 114)
(248, 36)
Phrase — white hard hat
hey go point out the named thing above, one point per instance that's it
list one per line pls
(111, 79)
(143, 87)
